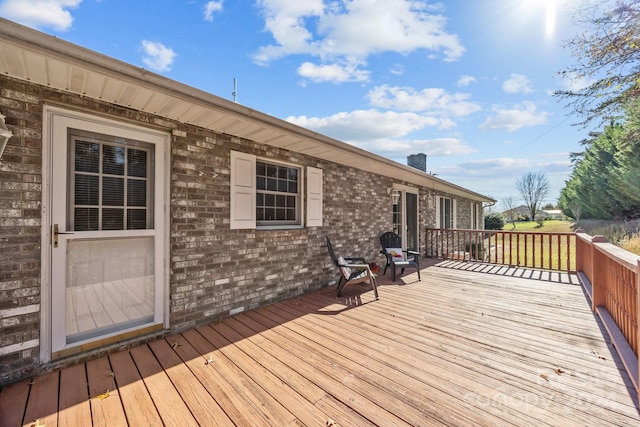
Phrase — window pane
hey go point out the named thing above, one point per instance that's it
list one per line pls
(270, 214)
(87, 157)
(136, 219)
(277, 194)
(269, 200)
(112, 160)
(86, 190)
(85, 219)
(137, 163)
(261, 183)
(136, 192)
(112, 191)
(113, 219)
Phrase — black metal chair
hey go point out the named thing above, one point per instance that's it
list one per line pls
(392, 250)
(352, 270)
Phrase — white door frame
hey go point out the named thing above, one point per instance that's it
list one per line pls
(404, 189)
(69, 118)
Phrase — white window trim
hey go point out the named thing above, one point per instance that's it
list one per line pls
(454, 214)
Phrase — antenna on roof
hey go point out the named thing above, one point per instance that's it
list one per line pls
(235, 89)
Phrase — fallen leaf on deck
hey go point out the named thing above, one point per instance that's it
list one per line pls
(331, 423)
(209, 360)
(37, 424)
(103, 395)
(175, 345)
(544, 377)
(559, 371)
(602, 357)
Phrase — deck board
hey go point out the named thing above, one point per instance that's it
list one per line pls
(469, 345)
(74, 408)
(106, 406)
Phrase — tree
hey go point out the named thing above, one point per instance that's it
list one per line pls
(534, 188)
(510, 212)
(493, 221)
(576, 209)
(608, 58)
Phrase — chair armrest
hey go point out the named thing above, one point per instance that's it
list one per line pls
(413, 253)
(360, 260)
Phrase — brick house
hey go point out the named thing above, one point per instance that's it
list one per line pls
(133, 206)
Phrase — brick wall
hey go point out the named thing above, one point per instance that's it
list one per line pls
(214, 271)
(20, 220)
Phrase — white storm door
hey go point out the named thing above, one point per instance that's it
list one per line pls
(107, 221)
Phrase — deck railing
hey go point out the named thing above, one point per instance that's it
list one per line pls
(548, 251)
(612, 279)
(610, 275)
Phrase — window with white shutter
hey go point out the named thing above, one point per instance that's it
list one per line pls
(269, 194)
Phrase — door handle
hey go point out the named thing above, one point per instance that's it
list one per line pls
(55, 234)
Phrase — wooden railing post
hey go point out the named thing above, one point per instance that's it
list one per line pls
(598, 275)
(580, 252)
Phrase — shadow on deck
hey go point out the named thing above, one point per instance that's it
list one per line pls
(460, 347)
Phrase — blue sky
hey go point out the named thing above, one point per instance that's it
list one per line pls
(469, 83)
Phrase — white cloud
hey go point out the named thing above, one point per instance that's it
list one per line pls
(157, 56)
(400, 149)
(518, 117)
(363, 125)
(333, 73)
(466, 80)
(349, 32)
(434, 100)
(517, 83)
(210, 8)
(500, 174)
(40, 13)
(397, 69)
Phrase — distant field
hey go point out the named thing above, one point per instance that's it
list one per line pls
(551, 226)
(625, 234)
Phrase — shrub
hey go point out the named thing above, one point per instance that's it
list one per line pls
(493, 221)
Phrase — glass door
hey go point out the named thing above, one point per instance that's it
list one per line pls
(106, 273)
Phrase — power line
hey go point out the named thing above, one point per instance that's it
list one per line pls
(541, 135)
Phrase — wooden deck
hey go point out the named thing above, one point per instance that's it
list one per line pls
(461, 347)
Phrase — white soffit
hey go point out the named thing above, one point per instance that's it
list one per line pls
(29, 55)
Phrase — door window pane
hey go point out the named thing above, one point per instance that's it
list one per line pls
(111, 177)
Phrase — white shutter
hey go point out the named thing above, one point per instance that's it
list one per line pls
(454, 213)
(314, 197)
(438, 201)
(243, 190)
